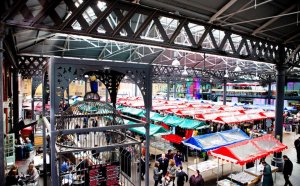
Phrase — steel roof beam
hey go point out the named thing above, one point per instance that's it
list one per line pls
(258, 30)
(153, 15)
(223, 9)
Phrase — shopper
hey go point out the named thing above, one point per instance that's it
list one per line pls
(163, 164)
(12, 176)
(196, 179)
(297, 146)
(65, 166)
(267, 175)
(181, 176)
(157, 174)
(287, 170)
(143, 167)
(172, 171)
(169, 154)
(178, 158)
(32, 173)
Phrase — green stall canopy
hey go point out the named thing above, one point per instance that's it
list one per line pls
(154, 129)
(191, 124)
(133, 111)
(173, 120)
(154, 116)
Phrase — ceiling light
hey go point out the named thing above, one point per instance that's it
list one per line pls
(184, 73)
(226, 74)
(176, 62)
(86, 76)
(237, 68)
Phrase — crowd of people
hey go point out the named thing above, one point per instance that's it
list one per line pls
(168, 170)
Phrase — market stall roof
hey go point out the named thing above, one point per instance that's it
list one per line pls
(250, 150)
(269, 114)
(133, 111)
(172, 120)
(156, 117)
(154, 129)
(191, 124)
(214, 140)
(269, 143)
(173, 138)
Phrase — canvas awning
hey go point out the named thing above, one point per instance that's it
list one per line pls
(191, 124)
(173, 138)
(154, 129)
(172, 120)
(249, 150)
(215, 140)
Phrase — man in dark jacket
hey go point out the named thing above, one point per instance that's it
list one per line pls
(180, 177)
(287, 170)
(196, 179)
(297, 146)
(163, 164)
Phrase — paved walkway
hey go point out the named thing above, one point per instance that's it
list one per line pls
(211, 178)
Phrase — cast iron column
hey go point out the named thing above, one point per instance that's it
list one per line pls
(2, 170)
(135, 90)
(175, 89)
(32, 98)
(52, 84)
(280, 83)
(269, 89)
(15, 97)
(44, 84)
(148, 106)
(168, 89)
(224, 91)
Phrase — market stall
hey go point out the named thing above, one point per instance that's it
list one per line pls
(249, 151)
(214, 140)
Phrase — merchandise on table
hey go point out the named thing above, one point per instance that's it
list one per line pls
(243, 178)
(227, 182)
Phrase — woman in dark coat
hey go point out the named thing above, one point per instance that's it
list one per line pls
(267, 175)
(196, 179)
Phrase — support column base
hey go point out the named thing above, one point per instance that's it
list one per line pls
(277, 162)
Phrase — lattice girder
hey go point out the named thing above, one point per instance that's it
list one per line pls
(117, 20)
(68, 69)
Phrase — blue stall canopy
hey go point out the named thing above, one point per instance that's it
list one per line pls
(215, 140)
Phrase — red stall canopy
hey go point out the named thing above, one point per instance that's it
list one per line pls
(250, 150)
(173, 138)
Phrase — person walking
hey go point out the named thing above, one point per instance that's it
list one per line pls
(181, 176)
(196, 179)
(267, 175)
(178, 158)
(297, 146)
(172, 171)
(163, 164)
(157, 174)
(287, 170)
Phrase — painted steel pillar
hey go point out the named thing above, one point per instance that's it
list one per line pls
(269, 91)
(15, 97)
(2, 170)
(148, 107)
(175, 89)
(44, 84)
(135, 90)
(168, 89)
(52, 84)
(279, 104)
(224, 91)
(32, 98)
